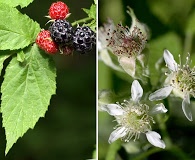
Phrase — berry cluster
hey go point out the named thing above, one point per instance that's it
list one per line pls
(61, 36)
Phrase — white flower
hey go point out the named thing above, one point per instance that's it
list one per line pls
(134, 118)
(124, 42)
(180, 80)
(103, 45)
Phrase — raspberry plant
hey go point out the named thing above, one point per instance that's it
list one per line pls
(30, 77)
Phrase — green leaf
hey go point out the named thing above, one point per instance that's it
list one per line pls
(26, 92)
(20, 56)
(91, 12)
(19, 32)
(14, 3)
(92, 25)
(170, 41)
(3, 56)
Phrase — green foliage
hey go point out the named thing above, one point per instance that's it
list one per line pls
(170, 12)
(21, 56)
(30, 77)
(170, 41)
(17, 31)
(91, 14)
(26, 92)
(15, 3)
(3, 56)
(191, 23)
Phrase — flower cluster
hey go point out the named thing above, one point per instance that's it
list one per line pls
(133, 116)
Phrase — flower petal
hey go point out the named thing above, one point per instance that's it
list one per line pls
(158, 108)
(99, 45)
(186, 107)
(128, 65)
(113, 109)
(105, 57)
(169, 60)
(161, 93)
(135, 22)
(155, 139)
(136, 91)
(116, 134)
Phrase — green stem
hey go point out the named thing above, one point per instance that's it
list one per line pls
(177, 152)
(187, 46)
(113, 149)
(81, 21)
(164, 132)
(144, 155)
(174, 150)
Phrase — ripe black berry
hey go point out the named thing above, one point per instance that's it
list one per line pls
(83, 39)
(61, 32)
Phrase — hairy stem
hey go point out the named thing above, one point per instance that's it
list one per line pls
(81, 21)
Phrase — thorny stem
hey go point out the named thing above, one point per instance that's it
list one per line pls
(81, 21)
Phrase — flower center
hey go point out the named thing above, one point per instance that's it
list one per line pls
(136, 120)
(184, 80)
(123, 42)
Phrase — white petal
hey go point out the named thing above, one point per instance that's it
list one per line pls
(136, 91)
(159, 108)
(105, 57)
(143, 28)
(116, 134)
(128, 64)
(186, 107)
(113, 109)
(169, 60)
(99, 45)
(161, 93)
(155, 139)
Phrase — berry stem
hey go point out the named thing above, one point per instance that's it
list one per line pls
(81, 21)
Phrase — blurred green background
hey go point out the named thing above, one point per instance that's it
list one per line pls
(172, 26)
(68, 130)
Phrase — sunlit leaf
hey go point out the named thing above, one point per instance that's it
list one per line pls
(14, 3)
(16, 30)
(26, 92)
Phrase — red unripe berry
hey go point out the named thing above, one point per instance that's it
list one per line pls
(45, 42)
(58, 10)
